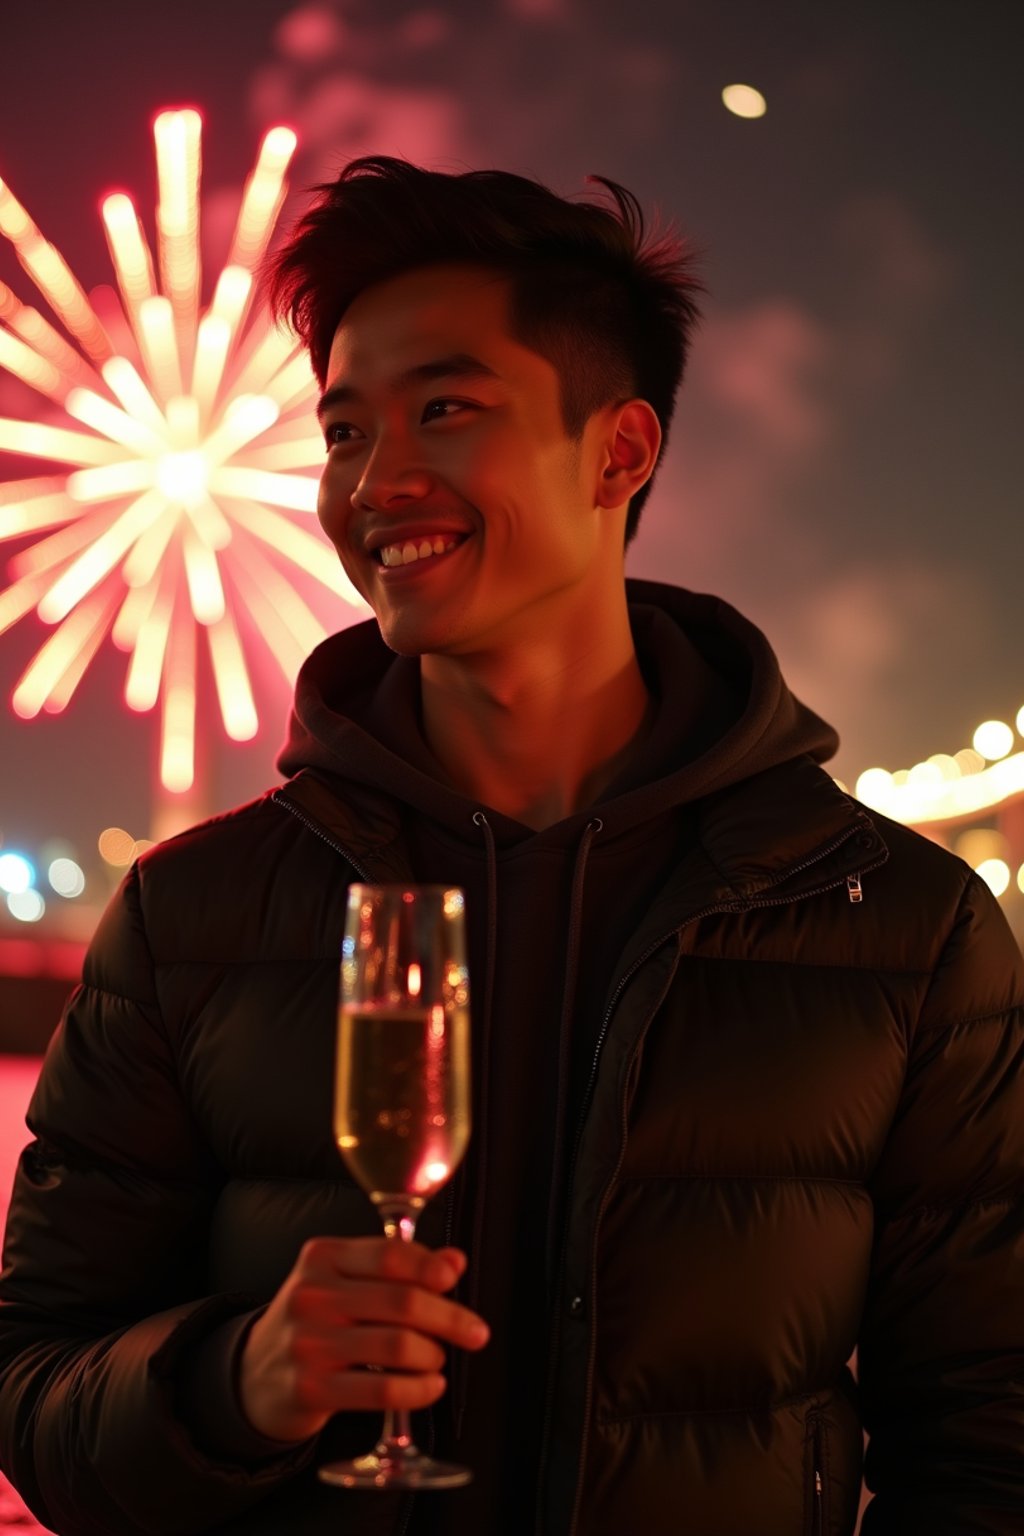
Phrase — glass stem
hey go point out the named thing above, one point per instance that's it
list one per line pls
(396, 1433)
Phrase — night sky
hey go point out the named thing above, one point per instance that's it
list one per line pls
(845, 459)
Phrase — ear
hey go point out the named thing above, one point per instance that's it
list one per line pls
(629, 452)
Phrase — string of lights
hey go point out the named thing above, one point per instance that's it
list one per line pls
(946, 796)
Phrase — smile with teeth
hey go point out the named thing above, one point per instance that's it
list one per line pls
(422, 549)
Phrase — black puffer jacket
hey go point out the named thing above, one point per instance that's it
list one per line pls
(794, 1124)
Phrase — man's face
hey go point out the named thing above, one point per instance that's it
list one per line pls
(479, 460)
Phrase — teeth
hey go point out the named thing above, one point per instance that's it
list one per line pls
(405, 554)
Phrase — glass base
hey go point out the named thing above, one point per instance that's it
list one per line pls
(402, 1470)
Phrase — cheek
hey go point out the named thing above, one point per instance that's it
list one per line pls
(331, 504)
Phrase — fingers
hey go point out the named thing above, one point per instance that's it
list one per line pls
(329, 1310)
(395, 1349)
(381, 1258)
(350, 1303)
(367, 1391)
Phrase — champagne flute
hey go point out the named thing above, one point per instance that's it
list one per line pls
(402, 1097)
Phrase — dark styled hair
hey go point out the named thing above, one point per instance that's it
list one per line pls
(612, 311)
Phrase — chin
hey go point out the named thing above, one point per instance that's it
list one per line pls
(409, 639)
(401, 647)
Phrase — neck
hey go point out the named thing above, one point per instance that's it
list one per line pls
(537, 731)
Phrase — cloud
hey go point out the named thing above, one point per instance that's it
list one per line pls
(896, 266)
(526, 81)
(745, 505)
(344, 114)
(891, 277)
(753, 423)
(539, 10)
(875, 645)
(764, 368)
(310, 34)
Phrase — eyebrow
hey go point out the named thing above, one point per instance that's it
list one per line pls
(458, 365)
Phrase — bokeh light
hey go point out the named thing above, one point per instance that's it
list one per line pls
(116, 846)
(873, 786)
(996, 875)
(26, 906)
(923, 775)
(993, 739)
(744, 101)
(980, 844)
(16, 873)
(949, 768)
(945, 787)
(969, 761)
(66, 877)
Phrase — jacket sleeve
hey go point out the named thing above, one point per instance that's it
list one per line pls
(941, 1351)
(103, 1311)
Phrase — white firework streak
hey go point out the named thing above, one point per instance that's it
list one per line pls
(199, 430)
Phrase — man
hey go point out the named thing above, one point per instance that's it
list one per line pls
(747, 1060)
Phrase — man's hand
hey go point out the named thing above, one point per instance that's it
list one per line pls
(349, 1303)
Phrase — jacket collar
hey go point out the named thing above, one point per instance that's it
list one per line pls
(774, 837)
(361, 823)
(777, 837)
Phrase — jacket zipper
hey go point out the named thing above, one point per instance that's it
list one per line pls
(321, 834)
(549, 1396)
(817, 1513)
(738, 906)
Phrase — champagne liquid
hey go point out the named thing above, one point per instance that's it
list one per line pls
(402, 1098)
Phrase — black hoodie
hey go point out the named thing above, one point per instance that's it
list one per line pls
(549, 915)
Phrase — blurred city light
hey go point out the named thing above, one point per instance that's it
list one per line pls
(26, 906)
(66, 877)
(996, 875)
(16, 873)
(921, 794)
(993, 739)
(116, 846)
(980, 844)
(969, 761)
(744, 101)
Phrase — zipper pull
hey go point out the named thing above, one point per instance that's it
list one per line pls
(817, 1482)
(854, 888)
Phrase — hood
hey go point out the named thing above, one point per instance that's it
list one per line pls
(714, 677)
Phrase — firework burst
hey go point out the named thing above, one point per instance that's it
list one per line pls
(188, 492)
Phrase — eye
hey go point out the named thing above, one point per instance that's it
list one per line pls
(460, 405)
(337, 433)
(337, 427)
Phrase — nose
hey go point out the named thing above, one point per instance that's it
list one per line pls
(390, 477)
